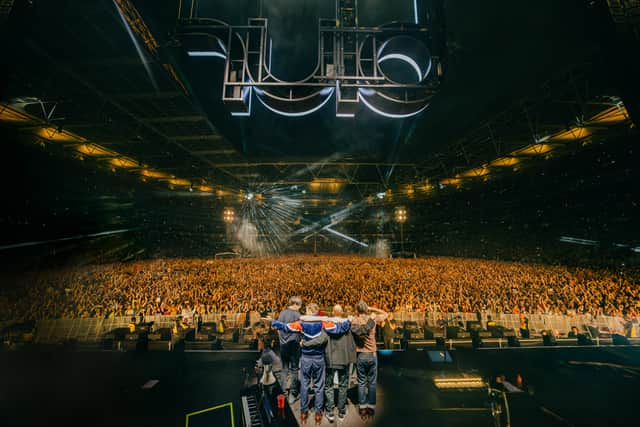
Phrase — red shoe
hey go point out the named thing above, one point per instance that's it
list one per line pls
(318, 418)
(303, 417)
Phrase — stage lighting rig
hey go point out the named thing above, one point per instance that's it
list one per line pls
(392, 69)
(400, 214)
(229, 215)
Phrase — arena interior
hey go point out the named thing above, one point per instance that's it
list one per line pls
(320, 212)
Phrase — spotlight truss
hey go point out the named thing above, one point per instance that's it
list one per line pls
(349, 70)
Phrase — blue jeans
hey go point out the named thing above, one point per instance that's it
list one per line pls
(343, 386)
(312, 366)
(367, 368)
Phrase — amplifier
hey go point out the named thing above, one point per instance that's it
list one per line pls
(129, 345)
(416, 335)
(159, 345)
(452, 332)
(432, 333)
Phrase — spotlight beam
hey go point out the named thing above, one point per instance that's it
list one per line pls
(331, 220)
(65, 239)
(141, 55)
(344, 236)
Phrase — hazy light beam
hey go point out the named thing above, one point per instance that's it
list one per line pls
(64, 239)
(344, 236)
(141, 54)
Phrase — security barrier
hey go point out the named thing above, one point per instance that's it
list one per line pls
(94, 329)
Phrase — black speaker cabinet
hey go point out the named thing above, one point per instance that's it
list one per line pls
(159, 345)
(584, 339)
(165, 334)
(452, 332)
(548, 339)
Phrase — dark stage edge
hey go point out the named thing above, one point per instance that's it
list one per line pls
(565, 386)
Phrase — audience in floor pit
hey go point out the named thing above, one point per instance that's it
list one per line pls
(438, 284)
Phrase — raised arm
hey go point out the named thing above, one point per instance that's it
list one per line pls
(336, 328)
(288, 327)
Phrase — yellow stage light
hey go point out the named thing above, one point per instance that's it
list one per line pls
(94, 150)
(572, 134)
(534, 150)
(149, 173)
(10, 115)
(476, 172)
(451, 181)
(611, 115)
(53, 134)
(326, 185)
(179, 182)
(123, 162)
(504, 161)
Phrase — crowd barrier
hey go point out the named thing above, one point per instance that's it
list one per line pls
(537, 322)
(94, 329)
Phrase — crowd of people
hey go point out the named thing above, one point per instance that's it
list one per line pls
(435, 284)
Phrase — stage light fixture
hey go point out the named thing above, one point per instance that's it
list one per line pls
(400, 214)
(228, 215)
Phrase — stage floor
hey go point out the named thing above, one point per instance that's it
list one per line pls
(578, 386)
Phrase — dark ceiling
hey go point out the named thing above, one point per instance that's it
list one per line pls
(102, 81)
(80, 58)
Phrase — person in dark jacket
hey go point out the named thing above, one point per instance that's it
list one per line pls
(312, 363)
(290, 349)
(339, 354)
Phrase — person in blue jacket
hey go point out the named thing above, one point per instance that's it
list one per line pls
(313, 328)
